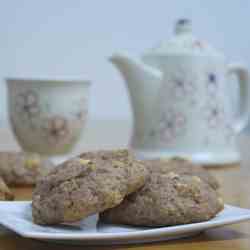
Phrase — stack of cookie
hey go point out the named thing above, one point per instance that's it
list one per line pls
(126, 191)
(20, 169)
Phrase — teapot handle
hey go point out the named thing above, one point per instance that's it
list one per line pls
(242, 75)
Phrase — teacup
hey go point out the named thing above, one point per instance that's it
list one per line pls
(47, 116)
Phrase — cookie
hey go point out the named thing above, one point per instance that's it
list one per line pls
(167, 198)
(19, 168)
(5, 193)
(183, 167)
(136, 173)
(81, 187)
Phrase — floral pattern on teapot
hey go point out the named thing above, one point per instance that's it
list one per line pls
(182, 85)
(172, 125)
(183, 90)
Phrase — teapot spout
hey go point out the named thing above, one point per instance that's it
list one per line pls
(134, 69)
(143, 83)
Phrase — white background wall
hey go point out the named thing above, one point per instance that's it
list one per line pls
(63, 38)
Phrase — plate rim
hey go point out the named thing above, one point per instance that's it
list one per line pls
(150, 232)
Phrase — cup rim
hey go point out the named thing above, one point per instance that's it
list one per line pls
(41, 80)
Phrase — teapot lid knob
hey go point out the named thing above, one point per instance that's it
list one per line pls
(183, 43)
(183, 26)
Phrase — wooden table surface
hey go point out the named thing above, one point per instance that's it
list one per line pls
(235, 181)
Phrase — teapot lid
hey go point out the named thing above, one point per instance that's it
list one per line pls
(183, 42)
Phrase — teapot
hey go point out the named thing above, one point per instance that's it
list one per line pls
(181, 100)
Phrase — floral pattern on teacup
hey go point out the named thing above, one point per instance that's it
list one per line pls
(57, 130)
(80, 114)
(27, 104)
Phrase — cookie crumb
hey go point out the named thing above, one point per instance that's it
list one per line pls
(117, 164)
(220, 200)
(196, 179)
(181, 186)
(173, 175)
(84, 161)
(32, 163)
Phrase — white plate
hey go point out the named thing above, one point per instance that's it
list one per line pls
(16, 216)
